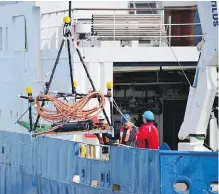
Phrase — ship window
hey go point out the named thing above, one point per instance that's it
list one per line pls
(0, 38)
(181, 186)
(143, 4)
(142, 42)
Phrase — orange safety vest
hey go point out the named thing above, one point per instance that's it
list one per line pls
(127, 134)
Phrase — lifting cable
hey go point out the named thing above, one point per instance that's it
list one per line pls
(120, 112)
(160, 26)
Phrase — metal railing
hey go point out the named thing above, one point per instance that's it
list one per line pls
(116, 28)
(74, 10)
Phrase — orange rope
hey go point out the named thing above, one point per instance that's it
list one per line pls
(66, 111)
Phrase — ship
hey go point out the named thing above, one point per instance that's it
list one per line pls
(140, 48)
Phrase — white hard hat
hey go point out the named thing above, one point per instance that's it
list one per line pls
(101, 117)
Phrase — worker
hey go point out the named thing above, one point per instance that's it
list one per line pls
(147, 136)
(127, 131)
(101, 136)
(102, 121)
(103, 125)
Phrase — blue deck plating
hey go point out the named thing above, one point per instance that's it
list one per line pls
(46, 166)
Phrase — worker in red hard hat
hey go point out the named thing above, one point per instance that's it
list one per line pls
(148, 136)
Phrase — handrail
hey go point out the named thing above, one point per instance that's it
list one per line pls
(181, 36)
(121, 9)
(116, 27)
(104, 24)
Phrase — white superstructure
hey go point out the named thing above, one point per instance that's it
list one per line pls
(100, 54)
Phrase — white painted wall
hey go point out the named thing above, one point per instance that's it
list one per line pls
(19, 66)
(3, 3)
(141, 54)
(129, 54)
(48, 6)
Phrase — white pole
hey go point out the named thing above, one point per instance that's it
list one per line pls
(213, 133)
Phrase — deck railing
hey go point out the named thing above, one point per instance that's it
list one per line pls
(146, 29)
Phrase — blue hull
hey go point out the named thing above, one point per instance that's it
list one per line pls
(46, 166)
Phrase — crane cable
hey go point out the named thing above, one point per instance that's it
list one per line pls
(74, 111)
(168, 43)
(120, 112)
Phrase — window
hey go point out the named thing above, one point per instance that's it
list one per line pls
(142, 4)
(144, 42)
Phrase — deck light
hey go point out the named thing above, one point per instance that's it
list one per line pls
(66, 19)
(29, 90)
(109, 85)
(75, 84)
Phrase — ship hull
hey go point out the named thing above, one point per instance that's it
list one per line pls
(48, 165)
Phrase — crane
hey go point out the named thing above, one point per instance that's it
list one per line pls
(205, 87)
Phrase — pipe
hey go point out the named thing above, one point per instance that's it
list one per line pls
(213, 133)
